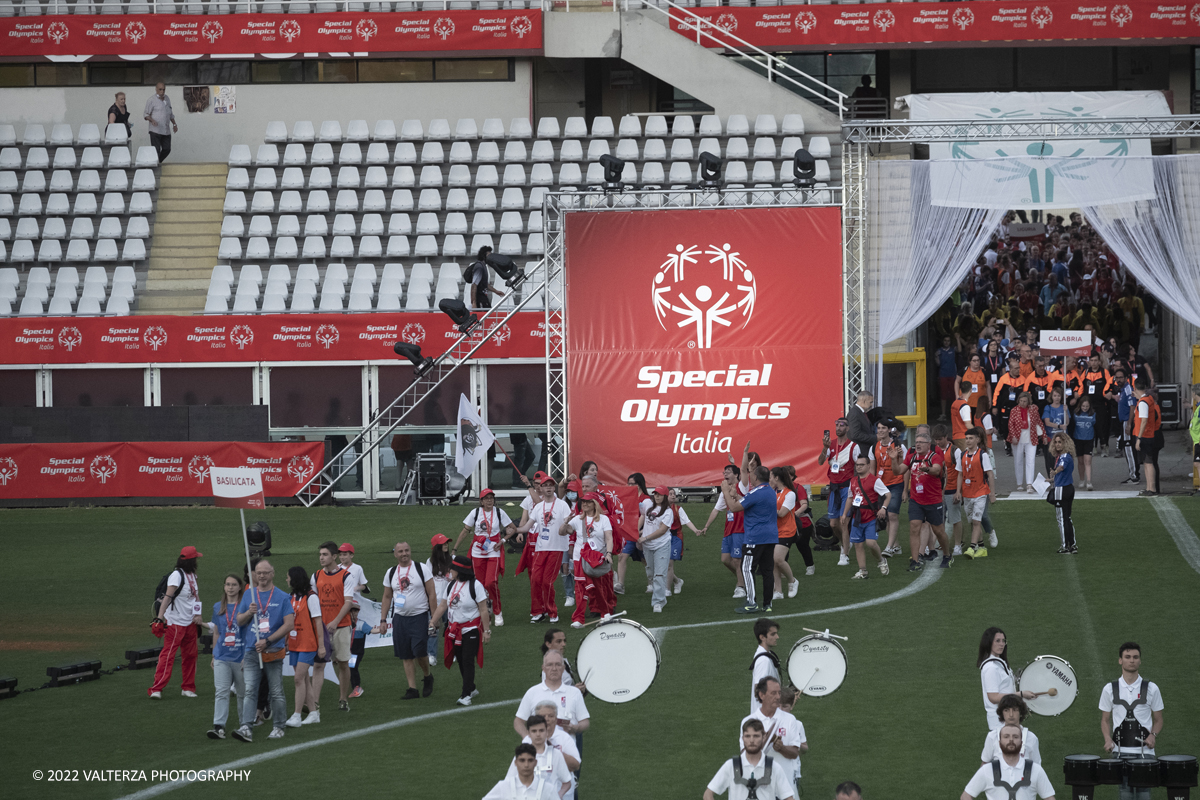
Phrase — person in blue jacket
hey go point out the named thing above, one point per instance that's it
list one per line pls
(1062, 493)
(229, 648)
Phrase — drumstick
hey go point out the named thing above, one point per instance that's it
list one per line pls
(610, 618)
(807, 682)
(1051, 691)
(827, 633)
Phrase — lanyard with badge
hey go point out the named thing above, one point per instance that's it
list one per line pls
(231, 628)
(546, 517)
(486, 544)
(968, 462)
(402, 584)
(264, 619)
(197, 608)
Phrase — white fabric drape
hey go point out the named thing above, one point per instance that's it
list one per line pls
(917, 253)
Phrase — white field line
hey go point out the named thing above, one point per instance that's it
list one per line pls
(1185, 538)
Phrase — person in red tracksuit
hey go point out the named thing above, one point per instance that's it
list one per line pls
(179, 613)
(545, 523)
(594, 542)
(492, 528)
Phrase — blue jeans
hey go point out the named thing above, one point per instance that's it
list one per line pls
(432, 645)
(568, 583)
(226, 675)
(253, 675)
(657, 562)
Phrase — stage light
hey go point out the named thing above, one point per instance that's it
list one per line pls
(258, 536)
(413, 353)
(804, 168)
(459, 314)
(142, 659)
(8, 688)
(613, 167)
(506, 268)
(431, 476)
(74, 673)
(710, 169)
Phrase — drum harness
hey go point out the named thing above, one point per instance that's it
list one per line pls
(1014, 788)
(752, 783)
(1130, 733)
(771, 654)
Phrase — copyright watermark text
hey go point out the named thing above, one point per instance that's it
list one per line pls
(140, 775)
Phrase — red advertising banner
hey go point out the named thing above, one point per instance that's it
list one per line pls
(980, 21)
(692, 332)
(149, 469)
(196, 35)
(275, 337)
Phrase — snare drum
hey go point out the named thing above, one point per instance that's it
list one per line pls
(1179, 772)
(1080, 770)
(817, 665)
(618, 660)
(1109, 771)
(1045, 673)
(1142, 773)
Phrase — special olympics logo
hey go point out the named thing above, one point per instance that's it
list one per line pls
(366, 28)
(199, 466)
(58, 31)
(300, 467)
(1041, 16)
(155, 336)
(8, 471)
(241, 335)
(806, 22)
(70, 338)
(884, 19)
(963, 18)
(443, 27)
(727, 23)
(614, 503)
(520, 26)
(327, 335)
(502, 335)
(289, 29)
(413, 333)
(1195, 14)
(212, 30)
(1121, 14)
(695, 301)
(103, 467)
(135, 32)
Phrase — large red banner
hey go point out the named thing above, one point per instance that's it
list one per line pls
(690, 333)
(149, 469)
(911, 23)
(274, 337)
(194, 35)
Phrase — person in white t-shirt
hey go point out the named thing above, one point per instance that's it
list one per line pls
(785, 735)
(573, 716)
(655, 545)
(752, 768)
(550, 762)
(1010, 777)
(179, 613)
(1012, 711)
(409, 593)
(466, 612)
(358, 645)
(765, 663)
(491, 529)
(1132, 718)
(593, 537)
(995, 675)
(545, 523)
(527, 784)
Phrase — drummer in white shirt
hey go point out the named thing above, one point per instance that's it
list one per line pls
(995, 674)
(526, 784)
(550, 762)
(785, 735)
(1012, 711)
(1011, 771)
(573, 716)
(1136, 712)
(751, 765)
(766, 662)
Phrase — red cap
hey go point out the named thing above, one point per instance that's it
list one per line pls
(346, 548)
(484, 493)
(663, 490)
(190, 552)
(542, 477)
(439, 538)
(595, 498)
(575, 486)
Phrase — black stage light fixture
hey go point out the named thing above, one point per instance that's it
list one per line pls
(804, 168)
(8, 688)
(710, 169)
(431, 476)
(142, 659)
(459, 314)
(258, 536)
(413, 353)
(613, 167)
(73, 673)
(506, 268)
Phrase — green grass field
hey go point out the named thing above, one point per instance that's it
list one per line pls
(907, 722)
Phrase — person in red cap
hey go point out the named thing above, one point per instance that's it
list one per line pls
(358, 645)
(468, 627)
(179, 613)
(545, 525)
(492, 529)
(594, 543)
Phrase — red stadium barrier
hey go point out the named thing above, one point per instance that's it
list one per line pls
(980, 21)
(691, 332)
(237, 338)
(149, 469)
(362, 32)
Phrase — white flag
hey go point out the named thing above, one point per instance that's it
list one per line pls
(474, 438)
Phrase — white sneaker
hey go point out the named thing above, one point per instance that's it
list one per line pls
(883, 566)
(777, 596)
(844, 560)
(649, 588)
(294, 721)
(570, 601)
(678, 585)
(554, 618)
(666, 593)
(433, 661)
(992, 540)
(464, 701)
(958, 549)
(158, 695)
(618, 588)
(739, 592)
(656, 609)
(499, 620)
(186, 693)
(312, 719)
(276, 733)
(794, 587)
(811, 570)
(1031, 490)
(576, 624)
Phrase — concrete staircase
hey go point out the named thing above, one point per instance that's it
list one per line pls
(187, 235)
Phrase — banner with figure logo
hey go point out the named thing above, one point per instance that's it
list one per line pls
(474, 438)
(150, 469)
(692, 332)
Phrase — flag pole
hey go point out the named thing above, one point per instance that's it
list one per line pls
(249, 572)
(506, 455)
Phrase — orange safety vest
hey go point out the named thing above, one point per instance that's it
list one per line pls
(883, 467)
(951, 471)
(979, 387)
(959, 429)
(786, 523)
(330, 590)
(1149, 429)
(975, 480)
(302, 639)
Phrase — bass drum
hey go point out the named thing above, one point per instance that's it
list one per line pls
(817, 665)
(1043, 674)
(618, 661)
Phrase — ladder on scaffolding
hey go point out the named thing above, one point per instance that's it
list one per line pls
(391, 417)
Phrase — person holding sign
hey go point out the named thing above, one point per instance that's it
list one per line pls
(179, 613)
(269, 613)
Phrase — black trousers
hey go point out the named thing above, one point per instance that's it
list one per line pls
(465, 654)
(761, 562)
(162, 144)
(803, 543)
(1061, 497)
(358, 647)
